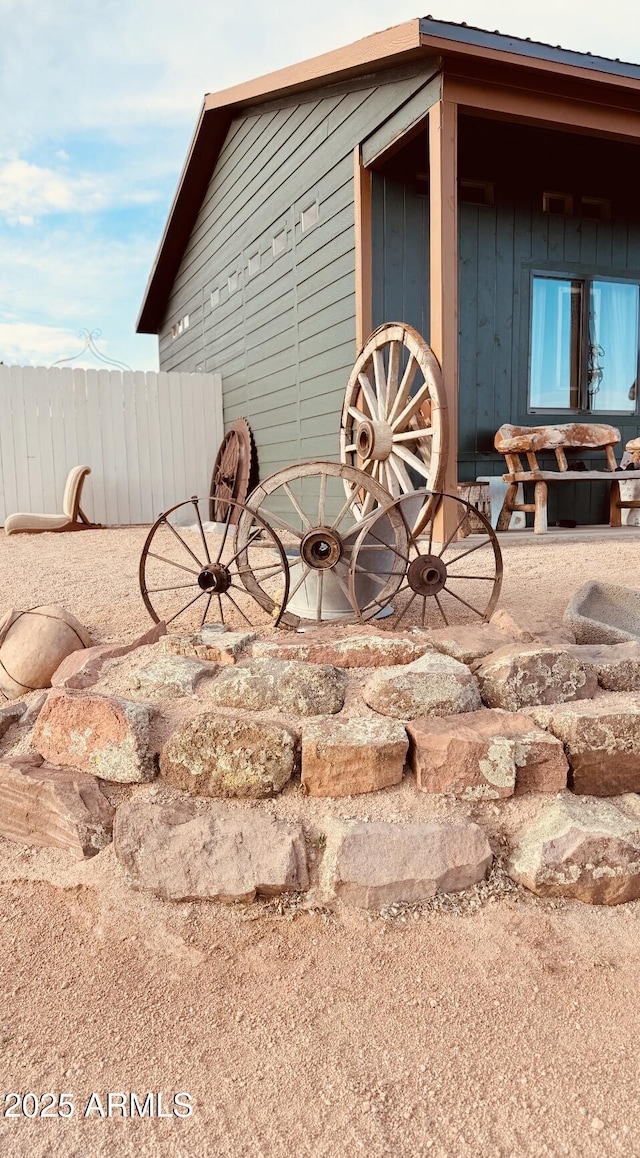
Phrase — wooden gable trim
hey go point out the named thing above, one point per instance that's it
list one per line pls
(545, 109)
(379, 50)
(402, 125)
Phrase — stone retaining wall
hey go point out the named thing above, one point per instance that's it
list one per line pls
(181, 748)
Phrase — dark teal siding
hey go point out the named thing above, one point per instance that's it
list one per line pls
(284, 343)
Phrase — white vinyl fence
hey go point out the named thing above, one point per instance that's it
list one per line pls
(150, 439)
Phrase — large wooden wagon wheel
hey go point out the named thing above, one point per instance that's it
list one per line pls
(394, 419)
(318, 526)
(431, 583)
(233, 471)
(191, 576)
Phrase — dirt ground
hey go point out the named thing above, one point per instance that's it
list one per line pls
(501, 1027)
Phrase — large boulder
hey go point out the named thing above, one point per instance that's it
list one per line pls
(518, 676)
(219, 854)
(527, 627)
(213, 755)
(373, 864)
(601, 739)
(105, 735)
(51, 807)
(435, 685)
(345, 757)
(487, 754)
(276, 685)
(588, 850)
(33, 644)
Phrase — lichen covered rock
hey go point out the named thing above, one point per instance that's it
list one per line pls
(518, 676)
(434, 685)
(214, 755)
(271, 685)
(105, 735)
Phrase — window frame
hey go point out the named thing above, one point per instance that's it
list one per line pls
(586, 278)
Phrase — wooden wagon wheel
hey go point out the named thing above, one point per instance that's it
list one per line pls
(233, 471)
(432, 583)
(318, 526)
(190, 576)
(394, 419)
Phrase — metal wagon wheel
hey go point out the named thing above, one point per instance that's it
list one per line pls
(190, 576)
(318, 526)
(394, 419)
(436, 583)
(234, 470)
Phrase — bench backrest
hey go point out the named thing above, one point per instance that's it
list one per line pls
(571, 435)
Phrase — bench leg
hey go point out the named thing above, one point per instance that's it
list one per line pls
(504, 518)
(540, 515)
(615, 513)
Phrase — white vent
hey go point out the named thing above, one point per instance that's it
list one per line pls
(179, 327)
(232, 282)
(309, 216)
(254, 264)
(215, 298)
(279, 243)
(558, 203)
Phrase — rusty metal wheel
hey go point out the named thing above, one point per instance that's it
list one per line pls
(191, 576)
(234, 470)
(432, 584)
(318, 526)
(394, 419)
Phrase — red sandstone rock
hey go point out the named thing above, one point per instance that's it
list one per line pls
(52, 807)
(345, 757)
(469, 641)
(527, 628)
(211, 643)
(376, 864)
(588, 850)
(486, 754)
(601, 738)
(522, 675)
(100, 734)
(82, 669)
(434, 685)
(359, 647)
(219, 854)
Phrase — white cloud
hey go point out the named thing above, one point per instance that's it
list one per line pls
(28, 191)
(26, 344)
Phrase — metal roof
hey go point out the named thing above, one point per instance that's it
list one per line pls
(524, 46)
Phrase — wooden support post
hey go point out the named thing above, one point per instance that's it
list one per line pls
(443, 261)
(362, 210)
(540, 516)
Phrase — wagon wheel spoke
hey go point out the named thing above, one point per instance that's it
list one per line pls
(412, 460)
(371, 395)
(393, 374)
(182, 542)
(406, 608)
(404, 389)
(461, 600)
(202, 534)
(206, 611)
(171, 563)
(227, 524)
(186, 606)
(422, 433)
(454, 534)
(411, 408)
(440, 609)
(176, 587)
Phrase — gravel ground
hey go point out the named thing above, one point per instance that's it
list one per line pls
(489, 1024)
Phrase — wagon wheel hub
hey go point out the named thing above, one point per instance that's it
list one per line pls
(321, 548)
(374, 440)
(214, 578)
(427, 575)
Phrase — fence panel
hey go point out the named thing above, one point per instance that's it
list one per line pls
(150, 439)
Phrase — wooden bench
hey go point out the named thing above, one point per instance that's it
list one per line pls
(515, 441)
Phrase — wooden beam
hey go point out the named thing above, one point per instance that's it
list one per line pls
(443, 262)
(550, 110)
(364, 285)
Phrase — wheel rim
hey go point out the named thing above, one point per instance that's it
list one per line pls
(394, 419)
(318, 527)
(232, 471)
(193, 575)
(434, 583)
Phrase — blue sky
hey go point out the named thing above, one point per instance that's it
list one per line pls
(98, 103)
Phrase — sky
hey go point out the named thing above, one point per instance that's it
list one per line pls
(98, 103)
